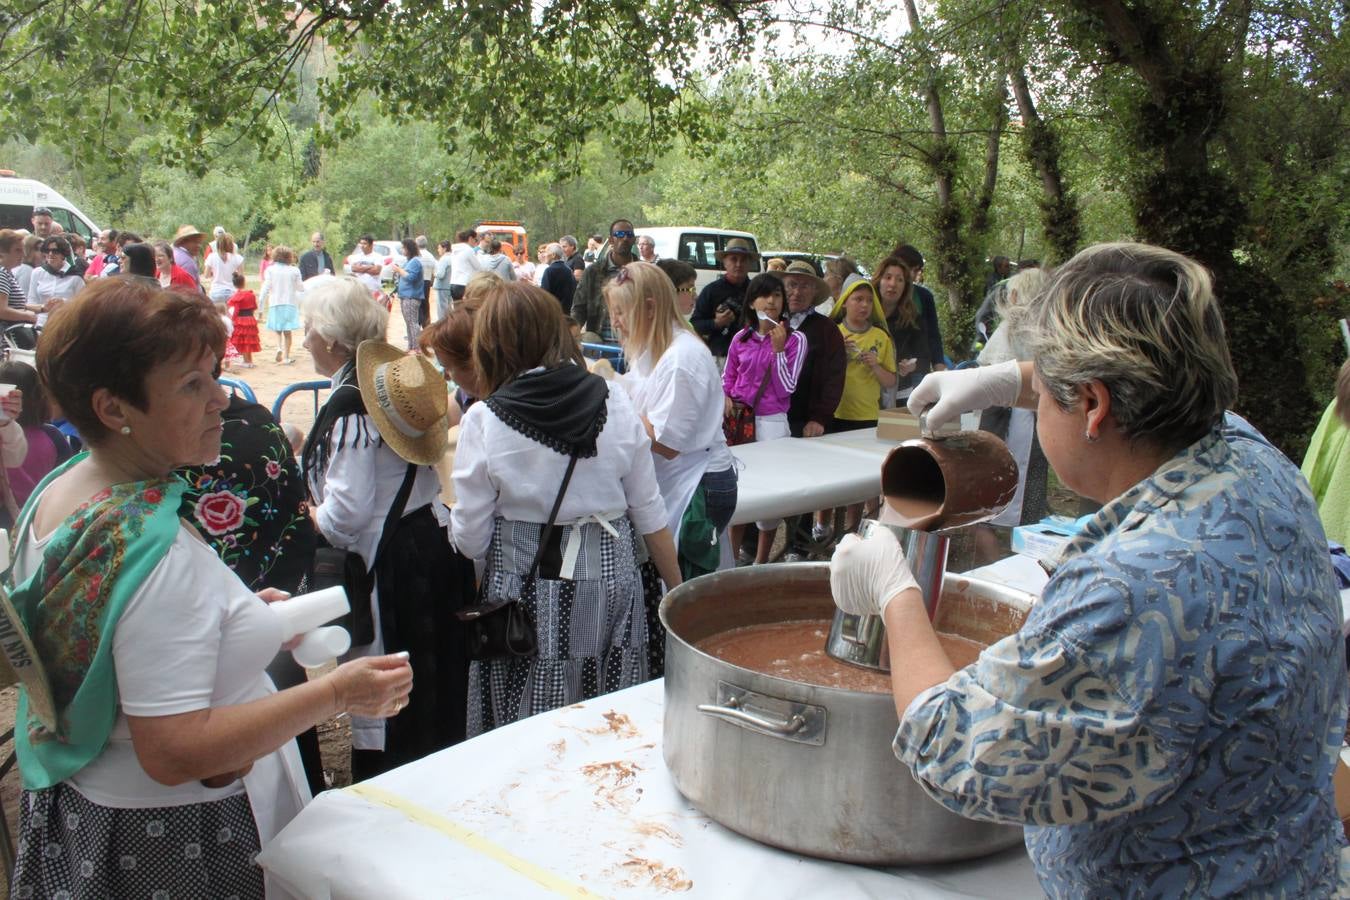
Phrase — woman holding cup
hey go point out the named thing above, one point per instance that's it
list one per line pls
(155, 728)
(1168, 718)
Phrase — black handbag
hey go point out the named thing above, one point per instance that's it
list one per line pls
(503, 629)
(334, 567)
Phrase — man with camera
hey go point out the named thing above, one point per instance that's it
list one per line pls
(718, 308)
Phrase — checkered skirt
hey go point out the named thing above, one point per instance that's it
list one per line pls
(72, 847)
(592, 630)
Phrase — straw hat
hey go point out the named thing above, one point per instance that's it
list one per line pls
(407, 399)
(184, 232)
(737, 245)
(804, 269)
(25, 664)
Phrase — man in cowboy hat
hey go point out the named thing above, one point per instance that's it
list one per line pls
(187, 246)
(821, 383)
(717, 312)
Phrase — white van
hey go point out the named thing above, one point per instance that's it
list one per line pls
(18, 196)
(698, 247)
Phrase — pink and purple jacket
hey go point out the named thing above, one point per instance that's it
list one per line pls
(747, 361)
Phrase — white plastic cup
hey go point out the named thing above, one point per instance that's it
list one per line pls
(306, 612)
(321, 646)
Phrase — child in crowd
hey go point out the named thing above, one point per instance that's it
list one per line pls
(871, 363)
(281, 292)
(47, 446)
(685, 279)
(243, 307)
(764, 361)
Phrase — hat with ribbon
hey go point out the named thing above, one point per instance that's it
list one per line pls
(184, 232)
(407, 400)
(737, 245)
(800, 268)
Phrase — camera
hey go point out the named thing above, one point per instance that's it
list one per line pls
(732, 306)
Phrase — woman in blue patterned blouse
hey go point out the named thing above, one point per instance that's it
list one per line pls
(1167, 721)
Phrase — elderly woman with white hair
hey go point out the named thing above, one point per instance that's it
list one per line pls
(1168, 718)
(376, 495)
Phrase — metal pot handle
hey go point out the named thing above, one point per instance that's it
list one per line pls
(798, 722)
(782, 729)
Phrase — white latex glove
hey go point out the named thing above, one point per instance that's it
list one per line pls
(865, 573)
(957, 391)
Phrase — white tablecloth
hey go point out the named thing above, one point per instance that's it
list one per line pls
(575, 802)
(791, 476)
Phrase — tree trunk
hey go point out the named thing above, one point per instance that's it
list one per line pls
(1059, 208)
(1185, 203)
(998, 100)
(953, 259)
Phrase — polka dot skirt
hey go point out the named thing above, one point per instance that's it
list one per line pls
(592, 629)
(73, 849)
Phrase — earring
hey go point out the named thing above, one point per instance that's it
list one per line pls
(126, 429)
(1090, 437)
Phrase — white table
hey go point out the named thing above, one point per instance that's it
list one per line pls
(792, 476)
(574, 803)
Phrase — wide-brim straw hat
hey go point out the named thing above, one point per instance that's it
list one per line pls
(804, 269)
(407, 400)
(184, 232)
(25, 665)
(736, 245)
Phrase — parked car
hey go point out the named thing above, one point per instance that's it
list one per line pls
(18, 196)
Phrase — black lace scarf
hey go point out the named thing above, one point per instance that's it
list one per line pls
(562, 408)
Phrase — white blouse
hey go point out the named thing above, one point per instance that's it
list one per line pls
(191, 637)
(358, 487)
(281, 286)
(501, 472)
(683, 399)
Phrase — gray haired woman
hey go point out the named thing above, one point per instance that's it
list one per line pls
(1168, 718)
(355, 475)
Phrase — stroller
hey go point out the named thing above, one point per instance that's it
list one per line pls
(20, 344)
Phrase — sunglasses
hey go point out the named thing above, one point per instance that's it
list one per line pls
(57, 250)
(621, 234)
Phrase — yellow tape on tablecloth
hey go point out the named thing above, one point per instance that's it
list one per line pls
(471, 839)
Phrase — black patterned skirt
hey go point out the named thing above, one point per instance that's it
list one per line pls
(72, 847)
(592, 629)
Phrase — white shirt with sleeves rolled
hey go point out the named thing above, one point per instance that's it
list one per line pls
(681, 395)
(192, 637)
(501, 472)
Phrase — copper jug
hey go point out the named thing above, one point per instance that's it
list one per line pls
(938, 483)
(930, 485)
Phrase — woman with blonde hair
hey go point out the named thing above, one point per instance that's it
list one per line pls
(1170, 714)
(674, 384)
(551, 442)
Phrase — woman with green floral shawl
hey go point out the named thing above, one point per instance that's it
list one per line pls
(166, 757)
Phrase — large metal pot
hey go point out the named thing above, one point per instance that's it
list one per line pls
(800, 766)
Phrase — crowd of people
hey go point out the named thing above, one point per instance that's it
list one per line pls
(147, 567)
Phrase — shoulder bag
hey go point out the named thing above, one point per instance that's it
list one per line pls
(503, 629)
(739, 427)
